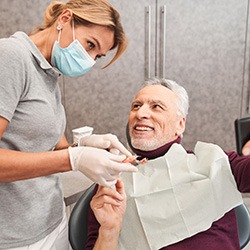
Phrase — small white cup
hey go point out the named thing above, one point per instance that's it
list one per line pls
(80, 132)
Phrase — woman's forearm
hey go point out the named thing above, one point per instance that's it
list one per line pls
(15, 165)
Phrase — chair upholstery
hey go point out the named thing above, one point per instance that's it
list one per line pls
(243, 220)
(78, 222)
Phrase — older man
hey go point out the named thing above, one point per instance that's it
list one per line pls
(179, 199)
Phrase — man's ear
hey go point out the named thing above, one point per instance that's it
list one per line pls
(181, 125)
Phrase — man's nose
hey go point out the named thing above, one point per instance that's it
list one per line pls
(143, 112)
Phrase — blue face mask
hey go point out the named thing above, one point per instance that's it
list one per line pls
(73, 60)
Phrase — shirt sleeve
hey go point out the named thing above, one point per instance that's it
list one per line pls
(93, 227)
(240, 166)
(12, 77)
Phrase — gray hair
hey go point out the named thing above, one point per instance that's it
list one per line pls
(181, 93)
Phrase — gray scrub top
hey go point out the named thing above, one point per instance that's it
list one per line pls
(30, 100)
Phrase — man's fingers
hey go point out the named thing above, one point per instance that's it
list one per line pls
(246, 149)
(109, 192)
(120, 186)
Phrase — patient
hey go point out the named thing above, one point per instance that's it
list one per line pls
(179, 199)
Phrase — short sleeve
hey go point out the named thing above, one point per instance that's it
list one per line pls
(12, 76)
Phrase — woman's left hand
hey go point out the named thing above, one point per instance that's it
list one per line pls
(106, 141)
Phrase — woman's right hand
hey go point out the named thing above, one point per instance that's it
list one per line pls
(99, 165)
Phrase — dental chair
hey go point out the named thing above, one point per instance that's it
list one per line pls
(78, 222)
(243, 220)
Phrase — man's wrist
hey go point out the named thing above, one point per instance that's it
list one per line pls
(109, 234)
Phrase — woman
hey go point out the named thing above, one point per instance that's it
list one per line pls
(32, 121)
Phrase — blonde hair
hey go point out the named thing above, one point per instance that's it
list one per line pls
(89, 12)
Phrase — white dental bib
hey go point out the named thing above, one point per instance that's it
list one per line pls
(177, 196)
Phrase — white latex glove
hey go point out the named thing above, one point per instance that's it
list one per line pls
(99, 165)
(107, 141)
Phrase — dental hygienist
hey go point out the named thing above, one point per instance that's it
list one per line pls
(33, 147)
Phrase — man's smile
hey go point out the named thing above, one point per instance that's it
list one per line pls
(143, 128)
